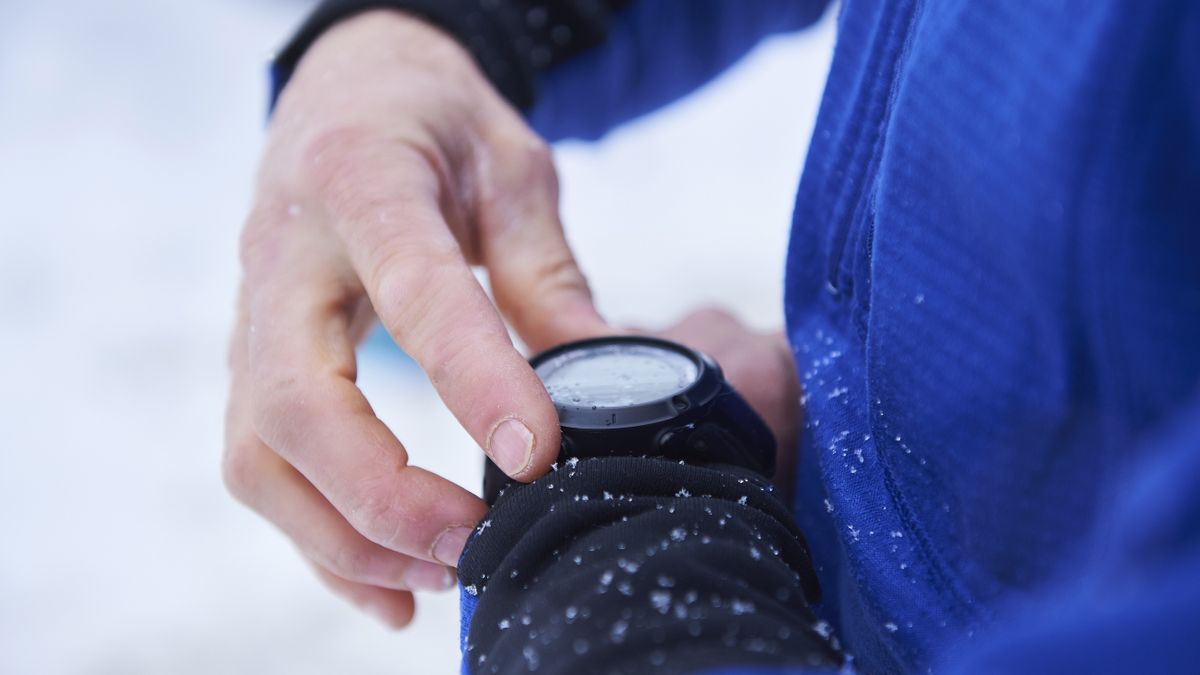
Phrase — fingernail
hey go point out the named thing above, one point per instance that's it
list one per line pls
(512, 446)
(423, 576)
(449, 545)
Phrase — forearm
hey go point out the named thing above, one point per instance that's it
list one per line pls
(620, 564)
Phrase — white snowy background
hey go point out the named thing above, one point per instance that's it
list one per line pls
(129, 131)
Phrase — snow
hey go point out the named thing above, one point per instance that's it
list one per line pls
(128, 137)
(661, 600)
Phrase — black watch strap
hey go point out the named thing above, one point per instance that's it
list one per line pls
(641, 565)
(748, 440)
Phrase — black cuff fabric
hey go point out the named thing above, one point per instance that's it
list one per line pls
(510, 39)
(639, 564)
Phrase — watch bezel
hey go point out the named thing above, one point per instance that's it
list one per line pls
(698, 394)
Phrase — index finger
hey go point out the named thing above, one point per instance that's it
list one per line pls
(387, 201)
(307, 408)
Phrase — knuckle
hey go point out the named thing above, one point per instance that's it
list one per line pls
(350, 560)
(280, 404)
(420, 306)
(532, 158)
(337, 166)
(375, 514)
(524, 161)
(550, 278)
(330, 154)
(363, 176)
(412, 278)
(537, 153)
(559, 273)
(448, 358)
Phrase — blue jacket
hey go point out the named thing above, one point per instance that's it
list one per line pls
(993, 296)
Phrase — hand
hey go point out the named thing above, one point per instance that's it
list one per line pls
(760, 367)
(390, 167)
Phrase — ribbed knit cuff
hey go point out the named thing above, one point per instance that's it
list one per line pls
(639, 565)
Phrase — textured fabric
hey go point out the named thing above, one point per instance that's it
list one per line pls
(656, 51)
(639, 564)
(1132, 606)
(992, 293)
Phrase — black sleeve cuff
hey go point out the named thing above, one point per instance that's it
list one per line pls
(512, 40)
(639, 564)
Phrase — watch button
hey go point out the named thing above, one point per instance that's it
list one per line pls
(673, 441)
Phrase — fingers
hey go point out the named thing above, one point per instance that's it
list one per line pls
(308, 410)
(534, 276)
(394, 608)
(709, 329)
(386, 202)
(267, 484)
(263, 481)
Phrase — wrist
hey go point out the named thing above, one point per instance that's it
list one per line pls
(385, 37)
(375, 45)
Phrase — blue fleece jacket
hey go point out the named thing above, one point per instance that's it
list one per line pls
(993, 296)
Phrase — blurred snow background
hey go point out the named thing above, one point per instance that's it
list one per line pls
(128, 136)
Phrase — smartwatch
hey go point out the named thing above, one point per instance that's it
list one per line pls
(643, 396)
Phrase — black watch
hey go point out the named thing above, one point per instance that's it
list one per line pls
(644, 396)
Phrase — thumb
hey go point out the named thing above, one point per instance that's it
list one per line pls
(535, 279)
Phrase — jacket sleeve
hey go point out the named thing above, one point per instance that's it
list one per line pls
(655, 52)
(640, 564)
(578, 68)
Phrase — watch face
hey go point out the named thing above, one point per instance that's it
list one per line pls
(616, 375)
